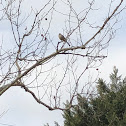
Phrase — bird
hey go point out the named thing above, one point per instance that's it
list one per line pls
(62, 38)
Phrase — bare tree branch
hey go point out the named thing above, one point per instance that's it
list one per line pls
(47, 69)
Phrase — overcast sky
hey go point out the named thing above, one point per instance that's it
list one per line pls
(22, 109)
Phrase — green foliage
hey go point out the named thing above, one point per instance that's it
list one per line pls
(56, 124)
(107, 109)
(80, 114)
(102, 87)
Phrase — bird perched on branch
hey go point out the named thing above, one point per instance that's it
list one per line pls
(62, 38)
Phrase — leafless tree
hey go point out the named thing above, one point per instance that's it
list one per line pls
(35, 59)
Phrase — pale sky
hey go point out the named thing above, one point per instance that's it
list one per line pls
(23, 110)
